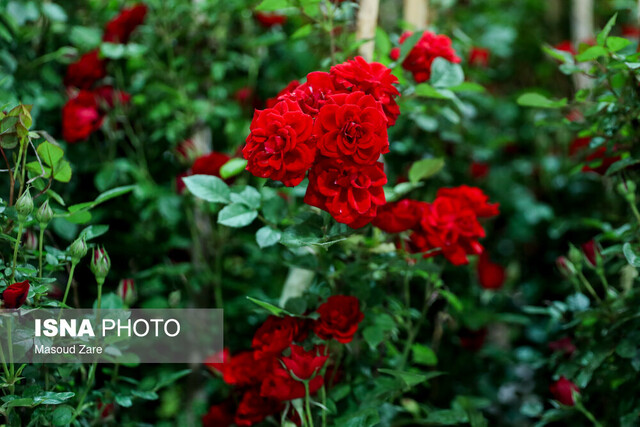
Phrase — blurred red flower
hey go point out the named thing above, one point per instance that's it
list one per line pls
(562, 390)
(426, 50)
(86, 71)
(119, 29)
(339, 318)
(16, 294)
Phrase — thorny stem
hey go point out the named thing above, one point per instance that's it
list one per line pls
(40, 252)
(587, 285)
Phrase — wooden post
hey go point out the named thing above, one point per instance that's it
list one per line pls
(366, 25)
(582, 31)
(416, 13)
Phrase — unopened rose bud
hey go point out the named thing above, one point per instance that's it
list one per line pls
(44, 214)
(24, 206)
(30, 240)
(100, 264)
(127, 291)
(593, 253)
(575, 256)
(566, 267)
(78, 249)
(628, 190)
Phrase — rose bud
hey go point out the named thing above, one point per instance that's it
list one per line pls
(78, 249)
(593, 253)
(30, 240)
(126, 291)
(575, 256)
(562, 391)
(566, 267)
(24, 206)
(16, 295)
(44, 214)
(490, 274)
(100, 264)
(563, 345)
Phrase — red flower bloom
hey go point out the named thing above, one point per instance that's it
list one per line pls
(579, 145)
(281, 144)
(479, 170)
(254, 408)
(280, 385)
(245, 369)
(209, 164)
(479, 57)
(339, 318)
(563, 345)
(269, 20)
(313, 94)
(305, 364)
(396, 217)
(566, 46)
(107, 95)
(86, 71)
(119, 29)
(429, 47)
(80, 117)
(473, 198)
(472, 340)
(592, 251)
(15, 295)
(276, 334)
(350, 193)
(352, 126)
(289, 89)
(490, 274)
(372, 78)
(245, 96)
(562, 391)
(220, 415)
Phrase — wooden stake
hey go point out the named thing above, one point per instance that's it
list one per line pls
(416, 13)
(366, 27)
(582, 31)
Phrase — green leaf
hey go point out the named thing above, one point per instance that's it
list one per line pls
(50, 154)
(424, 89)
(93, 231)
(113, 193)
(410, 378)
(407, 46)
(602, 36)
(124, 401)
(62, 415)
(468, 87)
(248, 196)
(62, 171)
(268, 236)
(373, 335)
(146, 395)
(592, 53)
(113, 50)
(532, 99)
(452, 299)
(54, 12)
(232, 168)
(364, 418)
(631, 256)
(236, 215)
(273, 5)
(85, 38)
(424, 355)
(301, 32)
(622, 164)
(209, 188)
(425, 168)
(51, 398)
(170, 378)
(617, 43)
(276, 311)
(445, 74)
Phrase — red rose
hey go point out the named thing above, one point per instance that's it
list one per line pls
(472, 340)
(563, 345)
(245, 369)
(429, 47)
(566, 46)
(80, 117)
(109, 96)
(271, 102)
(281, 144)
(220, 415)
(580, 145)
(276, 334)
(339, 318)
(15, 295)
(350, 193)
(209, 164)
(313, 94)
(473, 198)
(372, 78)
(490, 274)
(352, 126)
(119, 29)
(562, 391)
(479, 57)
(592, 251)
(280, 385)
(479, 170)
(396, 217)
(86, 71)
(269, 20)
(305, 364)
(254, 408)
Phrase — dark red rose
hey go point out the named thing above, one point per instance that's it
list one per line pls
(471, 339)
(479, 170)
(108, 96)
(220, 415)
(631, 31)
(372, 78)
(580, 145)
(472, 198)
(242, 369)
(280, 385)
(271, 102)
(281, 144)
(86, 71)
(254, 408)
(490, 274)
(209, 164)
(479, 57)
(105, 409)
(305, 364)
(592, 251)
(119, 29)
(339, 318)
(15, 295)
(350, 193)
(429, 47)
(562, 390)
(269, 20)
(566, 46)
(396, 217)
(245, 96)
(563, 345)
(352, 126)
(314, 93)
(276, 334)
(80, 117)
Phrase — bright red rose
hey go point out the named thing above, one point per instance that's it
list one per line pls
(15, 295)
(305, 364)
(352, 126)
(86, 71)
(396, 217)
(276, 334)
(254, 408)
(80, 117)
(269, 20)
(429, 47)
(281, 144)
(119, 29)
(472, 340)
(562, 391)
(566, 46)
(288, 90)
(490, 274)
(350, 193)
(339, 318)
(280, 385)
(314, 93)
(209, 164)
(479, 170)
(473, 198)
(479, 57)
(372, 78)
(108, 96)
(563, 345)
(220, 415)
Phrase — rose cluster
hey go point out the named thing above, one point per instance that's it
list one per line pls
(286, 352)
(84, 112)
(199, 164)
(449, 225)
(333, 127)
(427, 49)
